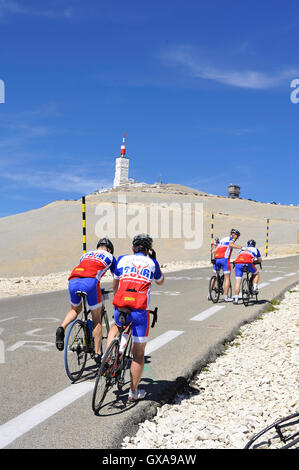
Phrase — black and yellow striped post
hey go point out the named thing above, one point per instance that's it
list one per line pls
(212, 233)
(84, 224)
(267, 238)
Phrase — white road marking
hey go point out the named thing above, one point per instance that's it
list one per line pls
(263, 284)
(276, 279)
(26, 421)
(207, 313)
(161, 340)
(23, 423)
(6, 319)
(290, 274)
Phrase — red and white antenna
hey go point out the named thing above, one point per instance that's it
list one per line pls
(123, 147)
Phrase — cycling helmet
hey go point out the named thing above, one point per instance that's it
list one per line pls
(217, 240)
(234, 230)
(251, 243)
(106, 242)
(142, 241)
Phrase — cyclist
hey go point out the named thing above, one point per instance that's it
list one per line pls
(247, 257)
(133, 277)
(86, 277)
(214, 245)
(222, 259)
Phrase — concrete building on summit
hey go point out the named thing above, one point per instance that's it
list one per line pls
(121, 167)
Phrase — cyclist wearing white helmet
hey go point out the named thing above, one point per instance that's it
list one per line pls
(222, 259)
(86, 277)
(133, 277)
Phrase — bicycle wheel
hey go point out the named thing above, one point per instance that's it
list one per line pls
(105, 329)
(75, 351)
(214, 291)
(105, 375)
(125, 364)
(245, 292)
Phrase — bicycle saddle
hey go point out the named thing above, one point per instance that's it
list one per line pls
(81, 293)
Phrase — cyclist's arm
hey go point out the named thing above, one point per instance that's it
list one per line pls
(233, 245)
(161, 281)
(115, 285)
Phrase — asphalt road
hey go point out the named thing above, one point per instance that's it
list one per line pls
(41, 409)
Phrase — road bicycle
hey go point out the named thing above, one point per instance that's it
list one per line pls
(247, 287)
(283, 431)
(79, 342)
(116, 361)
(216, 286)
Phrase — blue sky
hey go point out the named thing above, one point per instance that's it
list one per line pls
(201, 90)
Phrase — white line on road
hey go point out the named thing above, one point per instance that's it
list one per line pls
(276, 279)
(207, 313)
(264, 284)
(18, 426)
(26, 421)
(290, 274)
(6, 319)
(161, 340)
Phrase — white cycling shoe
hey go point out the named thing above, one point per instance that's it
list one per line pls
(137, 394)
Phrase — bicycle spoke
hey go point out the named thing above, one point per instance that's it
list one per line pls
(105, 376)
(75, 350)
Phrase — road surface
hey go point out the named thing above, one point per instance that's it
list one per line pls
(41, 409)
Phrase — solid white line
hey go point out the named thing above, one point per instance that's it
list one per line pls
(263, 284)
(18, 426)
(23, 423)
(207, 313)
(6, 319)
(161, 340)
(290, 274)
(276, 279)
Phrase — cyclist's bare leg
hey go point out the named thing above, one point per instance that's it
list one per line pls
(237, 286)
(113, 332)
(226, 284)
(97, 329)
(71, 315)
(137, 365)
(255, 280)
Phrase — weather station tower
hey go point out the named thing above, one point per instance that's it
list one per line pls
(121, 167)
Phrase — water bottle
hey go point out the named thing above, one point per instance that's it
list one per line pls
(123, 342)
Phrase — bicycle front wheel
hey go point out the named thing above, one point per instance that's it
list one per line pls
(245, 292)
(125, 364)
(214, 289)
(105, 375)
(75, 351)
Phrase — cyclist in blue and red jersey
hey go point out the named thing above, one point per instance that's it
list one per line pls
(222, 259)
(247, 257)
(133, 277)
(86, 277)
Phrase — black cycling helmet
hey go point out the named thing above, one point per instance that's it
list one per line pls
(251, 243)
(142, 241)
(106, 242)
(234, 230)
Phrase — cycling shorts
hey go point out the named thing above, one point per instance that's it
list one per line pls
(140, 324)
(239, 269)
(89, 285)
(223, 263)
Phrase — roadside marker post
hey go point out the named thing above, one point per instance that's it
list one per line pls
(212, 232)
(267, 238)
(84, 224)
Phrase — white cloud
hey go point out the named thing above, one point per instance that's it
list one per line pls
(17, 8)
(70, 181)
(184, 57)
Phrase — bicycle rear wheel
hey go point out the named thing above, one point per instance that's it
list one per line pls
(245, 292)
(105, 329)
(125, 364)
(75, 351)
(105, 375)
(214, 290)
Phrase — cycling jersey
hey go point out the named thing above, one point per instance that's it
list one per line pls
(223, 249)
(135, 274)
(247, 256)
(94, 264)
